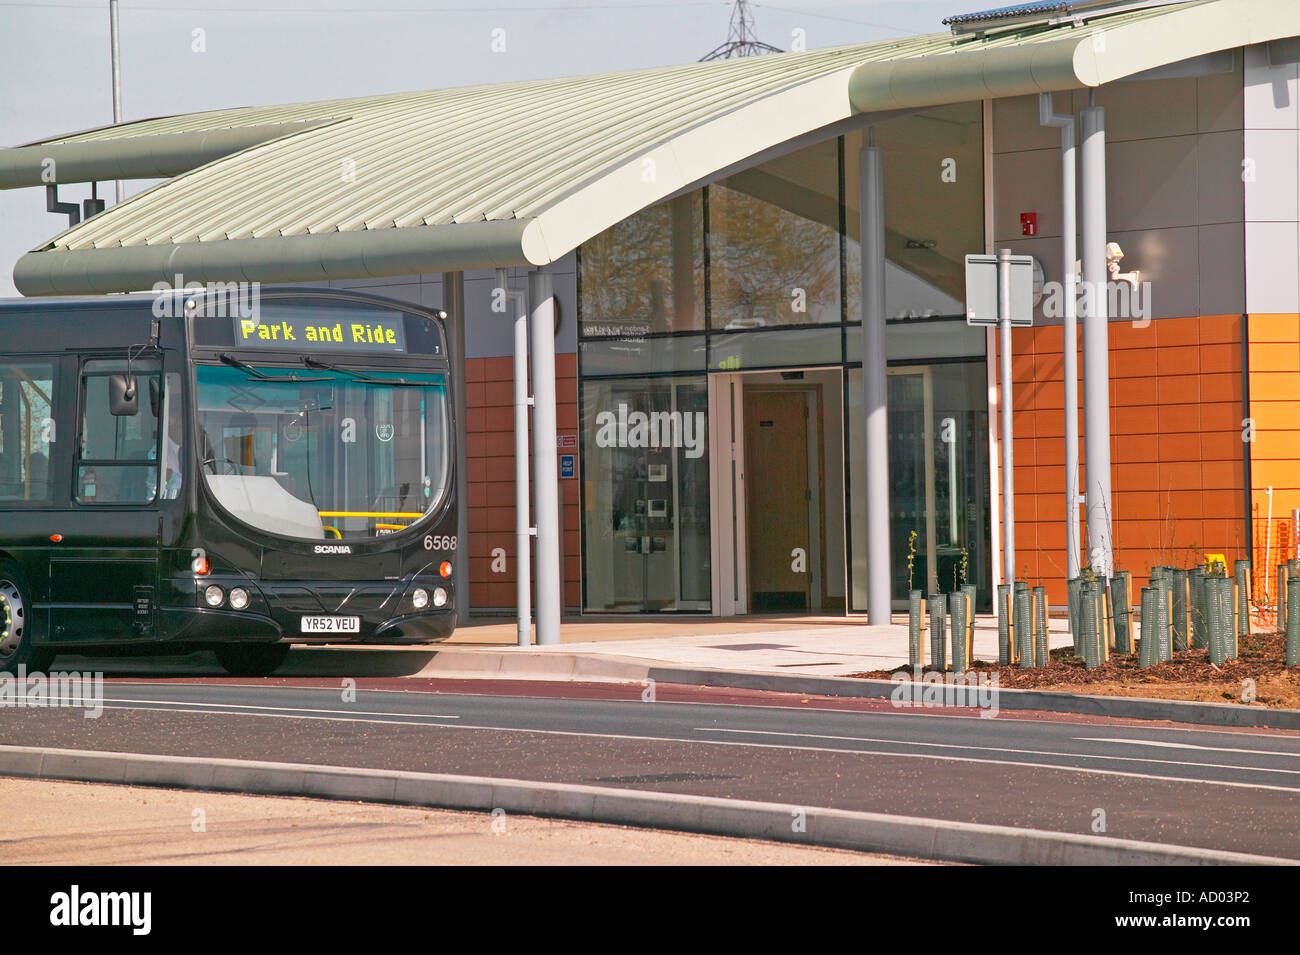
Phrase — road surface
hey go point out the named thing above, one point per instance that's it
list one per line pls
(1233, 790)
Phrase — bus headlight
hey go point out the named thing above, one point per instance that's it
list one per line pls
(420, 598)
(214, 596)
(239, 598)
(439, 597)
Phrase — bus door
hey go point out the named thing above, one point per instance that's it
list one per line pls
(104, 573)
(34, 393)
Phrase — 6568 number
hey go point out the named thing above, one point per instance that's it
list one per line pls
(439, 542)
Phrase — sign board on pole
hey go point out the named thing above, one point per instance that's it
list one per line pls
(982, 290)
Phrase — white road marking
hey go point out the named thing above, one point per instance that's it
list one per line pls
(786, 746)
(415, 721)
(873, 752)
(1253, 732)
(1171, 745)
(153, 704)
(1008, 749)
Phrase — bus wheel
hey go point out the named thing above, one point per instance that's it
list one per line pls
(258, 659)
(16, 631)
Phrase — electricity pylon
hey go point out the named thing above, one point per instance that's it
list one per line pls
(741, 40)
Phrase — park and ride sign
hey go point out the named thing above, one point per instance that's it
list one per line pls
(370, 333)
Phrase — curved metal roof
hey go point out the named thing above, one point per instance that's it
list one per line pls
(522, 173)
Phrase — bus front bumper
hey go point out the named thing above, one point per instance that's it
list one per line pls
(201, 627)
(295, 612)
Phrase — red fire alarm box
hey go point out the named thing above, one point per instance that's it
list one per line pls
(1029, 223)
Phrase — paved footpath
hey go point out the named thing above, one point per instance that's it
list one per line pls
(820, 651)
(822, 646)
(54, 823)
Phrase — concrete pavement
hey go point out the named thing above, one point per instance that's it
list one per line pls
(604, 649)
(822, 650)
(59, 823)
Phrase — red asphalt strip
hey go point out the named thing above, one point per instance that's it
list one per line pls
(683, 693)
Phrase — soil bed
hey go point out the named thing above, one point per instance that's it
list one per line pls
(1188, 676)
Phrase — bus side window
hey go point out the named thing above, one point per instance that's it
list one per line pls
(118, 462)
(27, 430)
(174, 430)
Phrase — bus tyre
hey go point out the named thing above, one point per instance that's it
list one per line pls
(259, 659)
(17, 634)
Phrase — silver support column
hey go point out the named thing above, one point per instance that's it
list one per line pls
(1008, 442)
(1070, 326)
(1096, 358)
(453, 303)
(523, 525)
(541, 297)
(874, 390)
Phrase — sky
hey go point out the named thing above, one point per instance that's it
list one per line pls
(180, 56)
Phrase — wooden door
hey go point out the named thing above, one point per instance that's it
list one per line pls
(777, 498)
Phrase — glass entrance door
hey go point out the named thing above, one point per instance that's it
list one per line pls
(778, 489)
(646, 523)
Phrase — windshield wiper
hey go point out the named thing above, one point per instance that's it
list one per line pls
(258, 375)
(360, 377)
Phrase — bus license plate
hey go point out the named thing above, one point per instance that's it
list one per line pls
(331, 624)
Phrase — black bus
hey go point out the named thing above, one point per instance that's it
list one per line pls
(234, 470)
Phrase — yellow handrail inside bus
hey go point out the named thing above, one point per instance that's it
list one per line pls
(337, 534)
(369, 514)
(35, 387)
(391, 527)
(26, 463)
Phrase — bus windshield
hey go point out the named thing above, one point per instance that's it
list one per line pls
(318, 453)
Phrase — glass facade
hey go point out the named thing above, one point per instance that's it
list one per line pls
(934, 209)
(758, 276)
(774, 243)
(938, 481)
(646, 275)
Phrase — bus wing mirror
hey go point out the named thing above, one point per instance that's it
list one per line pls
(123, 396)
